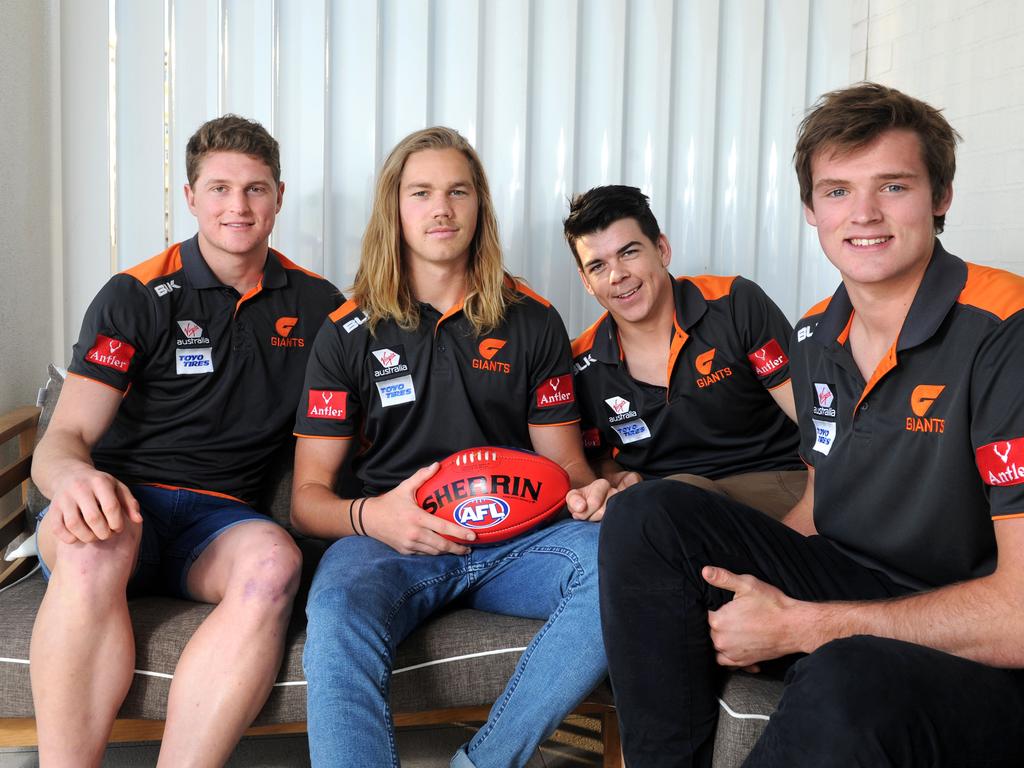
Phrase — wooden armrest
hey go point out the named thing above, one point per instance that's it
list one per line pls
(20, 420)
(19, 424)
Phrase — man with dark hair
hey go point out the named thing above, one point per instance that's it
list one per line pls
(686, 378)
(908, 603)
(182, 386)
(439, 350)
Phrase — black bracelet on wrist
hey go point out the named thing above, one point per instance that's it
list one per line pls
(362, 503)
(351, 520)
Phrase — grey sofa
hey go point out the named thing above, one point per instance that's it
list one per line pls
(450, 670)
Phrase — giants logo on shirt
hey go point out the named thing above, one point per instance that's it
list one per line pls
(768, 358)
(111, 353)
(284, 327)
(703, 364)
(921, 400)
(1002, 462)
(555, 391)
(488, 348)
(327, 404)
(704, 361)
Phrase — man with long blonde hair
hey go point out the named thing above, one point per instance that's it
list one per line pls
(439, 350)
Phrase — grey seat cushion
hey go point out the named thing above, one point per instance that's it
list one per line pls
(745, 705)
(460, 658)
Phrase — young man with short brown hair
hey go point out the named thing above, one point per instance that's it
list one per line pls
(907, 605)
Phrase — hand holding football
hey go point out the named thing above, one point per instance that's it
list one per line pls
(496, 492)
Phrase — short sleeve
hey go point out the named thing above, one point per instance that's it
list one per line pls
(116, 335)
(764, 332)
(997, 416)
(553, 394)
(802, 388)
(329, 404)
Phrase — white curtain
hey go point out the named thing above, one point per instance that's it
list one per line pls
(694, 101)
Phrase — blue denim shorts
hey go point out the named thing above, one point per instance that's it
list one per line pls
(177, 526)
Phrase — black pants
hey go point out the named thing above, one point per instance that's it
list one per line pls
(860, 701)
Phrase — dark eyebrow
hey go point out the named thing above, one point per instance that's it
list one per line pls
(628, 245)
(244, 184)
(893, 176)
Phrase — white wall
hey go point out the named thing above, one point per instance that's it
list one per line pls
(27, 213)
(966, 57)
(694, 100)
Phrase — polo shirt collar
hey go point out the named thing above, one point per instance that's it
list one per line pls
(200, 276)
(690, 303)
(943, 282)
(944, 279)
(690, 308)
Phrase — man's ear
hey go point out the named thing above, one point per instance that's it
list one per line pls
(280, 196)
(809, 215)
(190, 198)
(583, 279)
(945, 201)
(665, 248)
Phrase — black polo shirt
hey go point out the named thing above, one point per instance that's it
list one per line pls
(913, 465)
(414, 397)
(211, 378)
(717, 417)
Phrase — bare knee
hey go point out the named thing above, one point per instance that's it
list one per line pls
(267, 575)
(94, 570)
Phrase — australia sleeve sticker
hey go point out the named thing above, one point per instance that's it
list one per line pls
(111, 353)
(555, 391)
(768, 359)
(327, 404)
(1001, 462)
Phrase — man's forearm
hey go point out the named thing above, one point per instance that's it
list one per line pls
(59, 456)
(318, 511)
(981, 620)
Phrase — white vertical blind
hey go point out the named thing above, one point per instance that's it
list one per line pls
(694, 101)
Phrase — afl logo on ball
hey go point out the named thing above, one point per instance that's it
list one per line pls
(480, 512)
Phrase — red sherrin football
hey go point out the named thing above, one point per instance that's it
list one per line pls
(496, 492)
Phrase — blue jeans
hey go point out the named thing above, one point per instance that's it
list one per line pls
(366, 598)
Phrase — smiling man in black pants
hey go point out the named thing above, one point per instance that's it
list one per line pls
(908, 602)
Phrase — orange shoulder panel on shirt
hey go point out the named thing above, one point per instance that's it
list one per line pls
(343, 310)
(585, 341)
(818, 308)
(524, 289)
(993, 290)
(161, 265)
(289, 264)
(712, 286)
